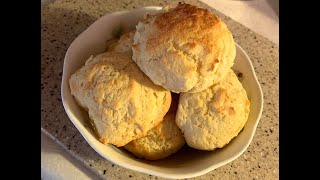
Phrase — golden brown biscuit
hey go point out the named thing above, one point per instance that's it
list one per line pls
(160, 142)
(122, 102)
(186, 49)
(211, 118)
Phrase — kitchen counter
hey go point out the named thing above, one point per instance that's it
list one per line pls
(63, 20)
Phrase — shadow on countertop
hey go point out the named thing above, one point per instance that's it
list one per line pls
(48, 147)
(59, 27)
(274, 4)
(269, 8)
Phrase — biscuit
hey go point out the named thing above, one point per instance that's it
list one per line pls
(123, 44)
(121, 101)
(186, 49)
(211, 118)
(160, 142)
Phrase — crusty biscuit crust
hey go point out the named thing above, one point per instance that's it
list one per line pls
(122, 102)
(186, 49)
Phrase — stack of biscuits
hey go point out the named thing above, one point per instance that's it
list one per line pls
(164, 84)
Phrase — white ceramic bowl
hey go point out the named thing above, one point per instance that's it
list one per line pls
(185, 163)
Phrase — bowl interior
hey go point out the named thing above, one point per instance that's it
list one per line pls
(187, 162)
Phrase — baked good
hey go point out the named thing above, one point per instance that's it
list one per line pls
(186, 49)
(160, 142)
(121, 101)
(123, 44)
(211, 118)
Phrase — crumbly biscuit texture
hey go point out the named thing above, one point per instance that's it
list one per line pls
(160, 142)
(186, 49)
(211, 118)
(121, 101)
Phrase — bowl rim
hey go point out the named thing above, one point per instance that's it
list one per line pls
(80, 127)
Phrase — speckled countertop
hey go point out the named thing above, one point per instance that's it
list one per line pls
(63, 20)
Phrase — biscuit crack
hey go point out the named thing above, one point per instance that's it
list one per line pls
(192, 57)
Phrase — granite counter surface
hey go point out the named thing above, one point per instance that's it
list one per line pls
(63, 20)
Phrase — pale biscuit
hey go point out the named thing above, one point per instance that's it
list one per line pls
(186, 49)
(211, 118)
(121, 101)
(123, 44)
(160, 142)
